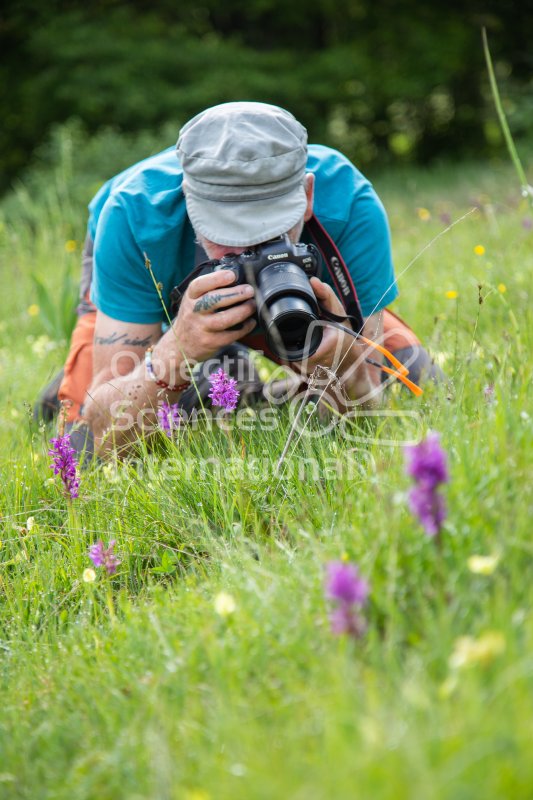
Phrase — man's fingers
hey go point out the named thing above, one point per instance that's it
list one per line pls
(222, 298)
(223, 320)
(327, 296)
(320, 289)
(206, 283)
(224, 338)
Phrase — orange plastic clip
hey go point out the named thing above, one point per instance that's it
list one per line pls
(383, 350)
(416, 390)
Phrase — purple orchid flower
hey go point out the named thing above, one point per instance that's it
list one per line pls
(426, 463)
(169, 417)
(349, 593)
(104, 557)
(64, 464)
(224, 390)
(344, 584)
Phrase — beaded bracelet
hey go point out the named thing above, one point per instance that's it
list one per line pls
(150, 370)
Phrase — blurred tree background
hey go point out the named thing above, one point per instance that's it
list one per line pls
(381, 80)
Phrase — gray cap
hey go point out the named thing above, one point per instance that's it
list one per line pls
(244, 169)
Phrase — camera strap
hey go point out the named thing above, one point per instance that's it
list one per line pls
(176, 295)
(338, 270)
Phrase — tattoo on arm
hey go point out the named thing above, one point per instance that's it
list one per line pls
(207, 302)
(124, 338)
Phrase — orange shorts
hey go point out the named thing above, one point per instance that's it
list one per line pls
(79, 365)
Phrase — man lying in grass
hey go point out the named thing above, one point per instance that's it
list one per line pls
(242, 176)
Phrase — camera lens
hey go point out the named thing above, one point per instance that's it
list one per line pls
(287, 305)
(289, 332)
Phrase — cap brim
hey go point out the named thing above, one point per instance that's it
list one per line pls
(246, 223)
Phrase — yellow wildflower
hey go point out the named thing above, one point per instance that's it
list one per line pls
(502, 288)
(71, 246)
(470, 652)
(479, 250)
(111, 472)
(452, 294)
(30, 523)
(423, 214)
(225, 604)
(89, 575)
(483, 565)
(33, 310)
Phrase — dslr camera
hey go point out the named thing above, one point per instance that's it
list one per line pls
(287, 307)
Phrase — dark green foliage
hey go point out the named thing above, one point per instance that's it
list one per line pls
(391, 78)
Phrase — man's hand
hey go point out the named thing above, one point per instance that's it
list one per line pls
(335, 345)
(210, 307)
(337, 350)
(341, 352)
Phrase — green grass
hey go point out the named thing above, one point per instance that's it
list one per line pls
(133, 687)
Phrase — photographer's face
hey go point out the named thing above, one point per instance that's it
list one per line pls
(218, 251)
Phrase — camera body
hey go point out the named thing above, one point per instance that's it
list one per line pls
(287, 307)
(275, 252)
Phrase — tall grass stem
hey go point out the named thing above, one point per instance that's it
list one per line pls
(527, 189)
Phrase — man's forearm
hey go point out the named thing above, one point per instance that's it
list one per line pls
(116, 408)
(121, 407)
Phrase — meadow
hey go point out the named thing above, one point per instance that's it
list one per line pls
(205, 668)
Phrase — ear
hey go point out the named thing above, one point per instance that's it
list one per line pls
(310, 192)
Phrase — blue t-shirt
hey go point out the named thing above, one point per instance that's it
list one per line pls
(142, 210)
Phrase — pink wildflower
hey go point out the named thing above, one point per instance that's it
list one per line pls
(104, 557)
